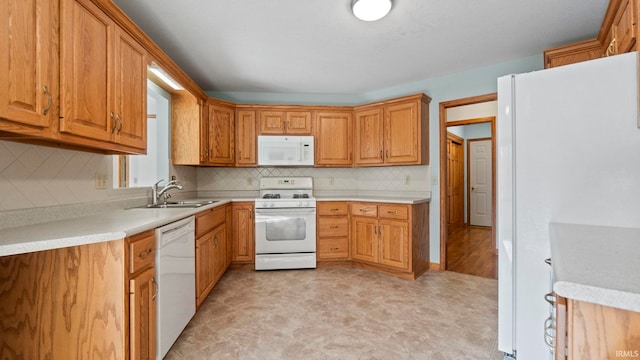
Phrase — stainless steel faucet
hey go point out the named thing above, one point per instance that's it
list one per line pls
(156, 194)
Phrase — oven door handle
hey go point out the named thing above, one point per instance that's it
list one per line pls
(280, 211)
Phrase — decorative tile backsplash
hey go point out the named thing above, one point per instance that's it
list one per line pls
(396, 178)
(34, 176)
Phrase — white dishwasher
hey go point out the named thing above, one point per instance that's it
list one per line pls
(176, 277)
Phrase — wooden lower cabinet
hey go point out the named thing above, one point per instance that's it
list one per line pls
(332, 231)
(243, 244)
(589, 331)
(80, 302)
(211, 250)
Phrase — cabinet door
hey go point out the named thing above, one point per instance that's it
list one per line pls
(624, 27)
(401, 135)
(364, 239)
(204, 266)
(243, 233)
(334, 139)
(369, 137)
(229, 235)
(130, 87)
(298, 122)
(142, 310)
(219, 252)
(221, 135)
(394, 244)
(246, 138)
(85, 70)
(28, 64)
(271, 122)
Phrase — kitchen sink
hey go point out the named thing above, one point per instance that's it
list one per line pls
(178, 204)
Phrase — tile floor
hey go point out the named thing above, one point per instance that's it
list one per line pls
(343, 313)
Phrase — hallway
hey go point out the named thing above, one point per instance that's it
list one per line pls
(470, 251)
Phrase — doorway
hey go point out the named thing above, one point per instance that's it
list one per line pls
(467, 194)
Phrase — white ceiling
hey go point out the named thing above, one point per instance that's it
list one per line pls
(318, 46)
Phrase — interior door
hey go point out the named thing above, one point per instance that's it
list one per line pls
(455, 181)
(480, 193)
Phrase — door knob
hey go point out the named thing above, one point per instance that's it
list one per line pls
(473, 188)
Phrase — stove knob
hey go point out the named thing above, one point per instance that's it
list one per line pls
(272, 204)
(305, 204)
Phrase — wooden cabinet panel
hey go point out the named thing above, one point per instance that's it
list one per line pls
(364, 209)
(221, 135)
(229, 235)
(243, 233)
(394, 249)
(329, 208)
(142, 313)
(208, 219)
(364, 239)
(333, 248)
(246, 138)
(570, 54)
(369, 126)
(624, 27)
(281, 122)
(141, 251)
(219, 252)
(401, 133)
(28, 66)
(391, 211)
(333, 139)
(298, 122)
(204, 266)
(336, 226)
(130, 88)
(86, 56)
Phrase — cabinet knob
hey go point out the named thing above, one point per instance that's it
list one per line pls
(144, 254)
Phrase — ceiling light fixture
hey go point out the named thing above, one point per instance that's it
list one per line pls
(370, 10)
(162, 75)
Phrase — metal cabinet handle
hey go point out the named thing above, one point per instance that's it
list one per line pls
(144, 254)
(334, 227)
(45, 89)
(215, 241)
(334, 209)
(113, 121)
(364, 210)
(381, 155)
(393, 212)
(239, 154)
(387, 154)
(334, 248)
(611, 48)
(155, 293)
(119, 124)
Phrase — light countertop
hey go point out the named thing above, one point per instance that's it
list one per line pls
(597, 264)
(116, 224)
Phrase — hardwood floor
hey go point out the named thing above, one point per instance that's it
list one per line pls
(471, 251)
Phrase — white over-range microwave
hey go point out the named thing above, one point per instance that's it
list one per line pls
(285, 150)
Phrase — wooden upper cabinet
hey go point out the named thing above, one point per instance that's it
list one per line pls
(394, 132)
(280, 122)
(624, 27)
(333, 138)
(246, 138)
(130, 88)
(28, 66)
(574, 53)
(369, 148)
(221, 135)
(102, 80)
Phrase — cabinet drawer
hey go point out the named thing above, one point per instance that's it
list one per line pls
(333, 226)
(332, 208)
(209, 219)
(333, 249)
(400, 212)
(364, 209)
(142, 251)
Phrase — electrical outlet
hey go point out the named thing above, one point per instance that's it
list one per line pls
(101, 181)
(407, 180)
(332, 181)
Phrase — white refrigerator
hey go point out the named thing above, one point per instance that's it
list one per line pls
(568, 150)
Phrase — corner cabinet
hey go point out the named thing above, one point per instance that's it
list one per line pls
(391, 238)
(333, 138)
(394, 132)
(29, 67)
(103, 77)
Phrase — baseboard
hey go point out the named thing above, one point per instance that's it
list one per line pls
(434, 266)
